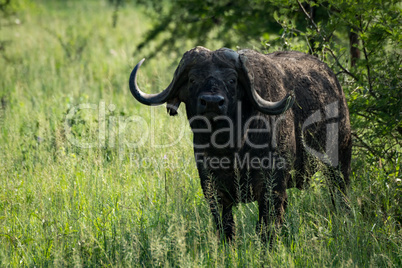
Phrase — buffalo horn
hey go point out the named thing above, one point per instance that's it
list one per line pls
(144, 98)
(272, 108)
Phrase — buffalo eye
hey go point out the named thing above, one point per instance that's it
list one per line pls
(192, 81)
(232, 81)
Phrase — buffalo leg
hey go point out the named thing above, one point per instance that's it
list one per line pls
(338, 185)
(225, 223)
(228, 222)
(271, 210)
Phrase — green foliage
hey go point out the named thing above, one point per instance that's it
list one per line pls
(202, 21)
(63, 205)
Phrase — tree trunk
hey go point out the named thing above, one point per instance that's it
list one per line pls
(354, 47)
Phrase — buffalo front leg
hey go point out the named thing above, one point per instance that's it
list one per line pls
(225, 223)
(228, 222)
(271, 208)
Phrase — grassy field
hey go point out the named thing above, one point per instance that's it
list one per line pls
(133, 198)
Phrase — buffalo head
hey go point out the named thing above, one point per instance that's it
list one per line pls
(210, 83)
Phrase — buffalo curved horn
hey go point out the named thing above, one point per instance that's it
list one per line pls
(144, 98)
(264, 106)
(171, 94)
(272, 108)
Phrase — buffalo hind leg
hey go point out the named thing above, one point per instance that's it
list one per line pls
(338, 186)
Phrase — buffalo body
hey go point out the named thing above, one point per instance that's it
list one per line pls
(259, 122)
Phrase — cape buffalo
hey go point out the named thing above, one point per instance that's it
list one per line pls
(257, 120)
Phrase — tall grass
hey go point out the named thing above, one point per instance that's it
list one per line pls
(119, 205)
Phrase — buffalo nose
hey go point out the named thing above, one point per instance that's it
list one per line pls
(213, 103)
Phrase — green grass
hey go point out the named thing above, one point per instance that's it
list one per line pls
(111, 205)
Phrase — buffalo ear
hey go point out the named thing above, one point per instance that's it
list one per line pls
(172, 105)
(246, 76)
